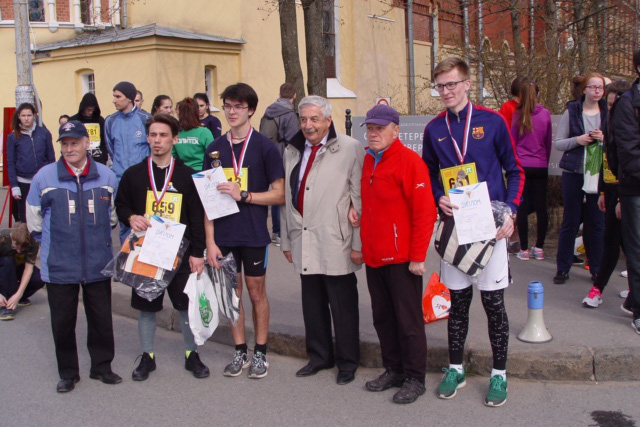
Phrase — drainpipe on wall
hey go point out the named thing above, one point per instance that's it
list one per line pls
(125, 20)
(412, 74)
(24, 89)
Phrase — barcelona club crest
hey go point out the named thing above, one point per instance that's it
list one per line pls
(478, 133)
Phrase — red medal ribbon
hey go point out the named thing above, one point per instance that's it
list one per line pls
(166, 181)
(466, 134)
(237, 167)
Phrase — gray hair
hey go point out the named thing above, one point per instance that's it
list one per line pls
(316, 101)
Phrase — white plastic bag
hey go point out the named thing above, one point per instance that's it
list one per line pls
(203, 307)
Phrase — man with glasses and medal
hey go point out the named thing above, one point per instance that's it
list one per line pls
(468, 144)
(253, 167)
(162, 186)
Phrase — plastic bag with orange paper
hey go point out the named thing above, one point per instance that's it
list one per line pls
(436, 301)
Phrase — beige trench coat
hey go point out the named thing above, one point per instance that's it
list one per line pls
(321, 242)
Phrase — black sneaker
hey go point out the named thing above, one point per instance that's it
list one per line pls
(627, 307)
(577, 261)
(410, 391)
(147, 364)
(385, 381)
(24, 303)
(194, 365)
(561, 277)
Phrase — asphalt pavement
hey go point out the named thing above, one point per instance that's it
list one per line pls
(587, 344)
(172, 396)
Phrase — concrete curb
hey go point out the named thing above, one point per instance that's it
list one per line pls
(573, 363)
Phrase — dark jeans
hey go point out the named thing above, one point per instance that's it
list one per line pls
(275, 219)
(612, 237)
(534, 197)
(19, 206)
(630, 206)
(10, 276)
(63, 302)
(323, 298)
(396, 302)
(593, 220)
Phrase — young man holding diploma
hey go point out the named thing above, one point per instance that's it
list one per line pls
(161, 185)
(253, 166)
(476, 141)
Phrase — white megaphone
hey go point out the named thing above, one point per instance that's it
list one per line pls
(535, 330)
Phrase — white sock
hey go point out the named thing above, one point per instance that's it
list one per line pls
(457, 368)
(502, 373)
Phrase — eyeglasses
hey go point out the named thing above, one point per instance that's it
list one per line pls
(237, 107)
(449, 85)
(595, 88)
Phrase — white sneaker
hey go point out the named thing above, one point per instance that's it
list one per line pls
(624, 274)
(624, 294)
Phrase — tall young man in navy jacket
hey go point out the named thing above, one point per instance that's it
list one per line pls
(477, 140)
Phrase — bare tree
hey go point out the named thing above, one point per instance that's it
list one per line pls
(316, 63)
(289, 39)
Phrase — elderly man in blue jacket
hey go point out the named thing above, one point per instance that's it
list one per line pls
(70, 211)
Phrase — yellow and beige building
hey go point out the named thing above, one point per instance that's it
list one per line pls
(179, 48)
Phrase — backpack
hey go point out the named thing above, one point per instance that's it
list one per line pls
(269, 127)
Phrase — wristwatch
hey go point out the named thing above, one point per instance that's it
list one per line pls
(243, 196)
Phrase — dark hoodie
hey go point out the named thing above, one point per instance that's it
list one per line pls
(288, 120)
(95, 127)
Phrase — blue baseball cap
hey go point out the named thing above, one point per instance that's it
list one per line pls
(381, 115)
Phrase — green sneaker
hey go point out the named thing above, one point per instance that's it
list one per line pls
(497, 394)
(450, 383)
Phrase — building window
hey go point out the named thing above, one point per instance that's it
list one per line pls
(329, 37)
(86, 12)
(88, 83)
(210, 84)
(36, 10)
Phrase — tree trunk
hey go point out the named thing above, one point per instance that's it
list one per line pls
(516, 30)
(581, 35)
(552, 42)
(316, 62)
(289, 39)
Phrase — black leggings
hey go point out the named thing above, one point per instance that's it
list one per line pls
(612, 237)
(534, 199)
(458, 326)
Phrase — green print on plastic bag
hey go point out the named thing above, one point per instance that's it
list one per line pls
(206, 314)
(594, 158)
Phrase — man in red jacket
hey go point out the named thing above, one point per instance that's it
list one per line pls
(398, 214)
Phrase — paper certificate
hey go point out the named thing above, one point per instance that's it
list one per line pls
(215, 203)
(474, 217)
(162, 242)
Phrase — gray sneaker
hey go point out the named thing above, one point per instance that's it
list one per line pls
(239, 362)
(259, 366)
(636, 325)
(6, 314)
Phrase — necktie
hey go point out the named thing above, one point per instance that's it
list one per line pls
(303, 183)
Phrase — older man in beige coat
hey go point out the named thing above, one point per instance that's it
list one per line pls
(322, 181)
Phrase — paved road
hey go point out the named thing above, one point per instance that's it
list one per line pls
(173, 397)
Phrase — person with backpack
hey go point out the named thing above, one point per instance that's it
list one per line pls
(280, 124)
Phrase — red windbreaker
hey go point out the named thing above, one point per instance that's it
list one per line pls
(398, 211)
